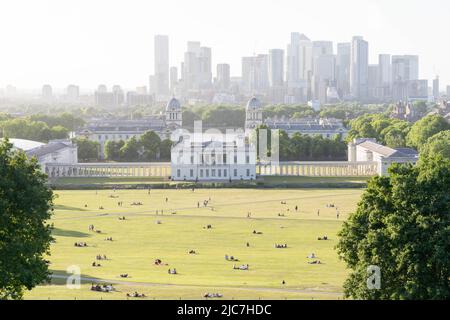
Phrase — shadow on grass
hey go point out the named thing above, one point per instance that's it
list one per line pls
(60, 278)
(69, 233)
(63, 207)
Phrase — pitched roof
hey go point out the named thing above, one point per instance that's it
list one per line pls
(389, 152)
(46, 149)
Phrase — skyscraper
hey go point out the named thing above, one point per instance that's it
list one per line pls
(359, 68)
(436, 93)
(405, 68)
(47, 93)
(223, 77)
(196, 71)
(255, 74)
(161, 65)
(173, 79)
(73, 93)
(276, 67)
(343, 69)
(384, 76)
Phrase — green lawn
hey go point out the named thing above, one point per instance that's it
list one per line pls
(139, 240)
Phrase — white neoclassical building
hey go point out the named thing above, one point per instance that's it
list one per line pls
(368, 150)
(102, 131)
(214, 159)
(54, 152)
(327, 128)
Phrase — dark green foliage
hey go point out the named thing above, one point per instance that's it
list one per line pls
(25, 206)
(402, 225)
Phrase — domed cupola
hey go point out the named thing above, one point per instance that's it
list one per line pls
(174, 114)
(253, 104)
(253, 113)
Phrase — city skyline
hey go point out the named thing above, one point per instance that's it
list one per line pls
(122, 53)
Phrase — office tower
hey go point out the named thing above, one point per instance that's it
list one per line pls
(73, 93)
(223, 77)
(448, 92)
(161, 65)
(205, 69)
(255, 74)
(384, 76)
(141, 90)
(373, 81)
(359, 68)
(405, 68)
(47, 93)
(118, 96)
(436, 93)
(293, 60)
(343, 69)
(196, 69)
(276, 67)
(173, 79)
(322, 48)
(323, 76)
(103, 98)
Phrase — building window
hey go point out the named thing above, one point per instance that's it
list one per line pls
(224, 159)
(248, 172)
(235, 158)
(201, 173)
(192, 159)
(191, 172)
(207, 173)
(213, 172)
(219, 172)
(235, 172)
(224, 172)
(247, 159)
(178, 173)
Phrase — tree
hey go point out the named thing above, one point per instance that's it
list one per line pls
(131, 150)
(87, 150)
(25, 206)
(112, 149)
(401, 225)
(150, 141)
(165, 149)
(439, 144)
(59, 132)
(424, 129)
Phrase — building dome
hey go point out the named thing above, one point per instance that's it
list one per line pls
(253, 104)
(173, 105)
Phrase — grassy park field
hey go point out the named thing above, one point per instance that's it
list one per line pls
(167, 229)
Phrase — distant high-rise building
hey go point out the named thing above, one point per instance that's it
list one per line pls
(384, 76)
(343, 69)
(436, 93)
(293, 60)
(372, 81)
(173, 79)
(255, 74)
(118, 95)
(161, 65)
(276, 67)
(196, 70)
(323, 76)
(405, 68)
(223, 77)
(73, 93)
(359, 68)
(448, 92)
(47, 93)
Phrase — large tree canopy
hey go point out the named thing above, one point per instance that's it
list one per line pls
(25, 206)
(402, 225)
(424, 129)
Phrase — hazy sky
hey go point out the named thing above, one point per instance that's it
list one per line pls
(88, 42)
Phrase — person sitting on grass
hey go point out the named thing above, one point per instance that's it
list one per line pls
(124, 275)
